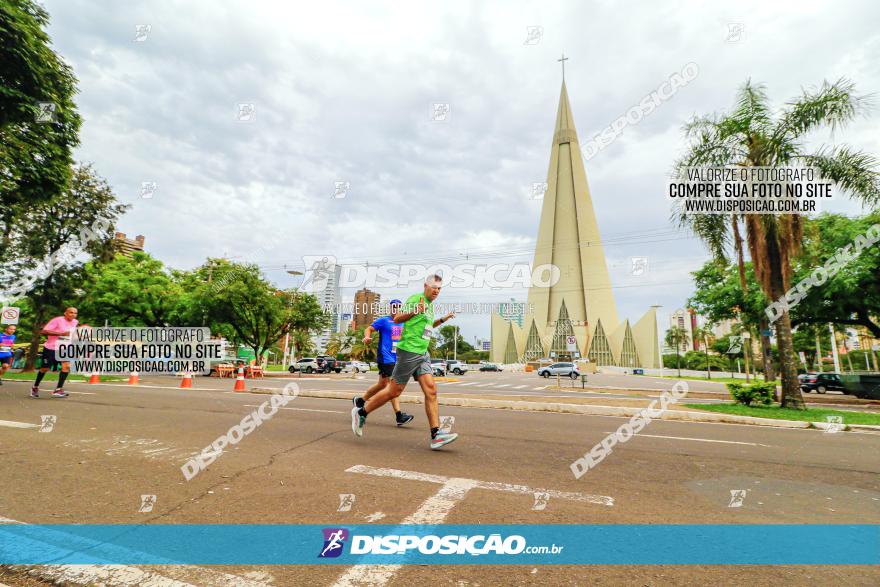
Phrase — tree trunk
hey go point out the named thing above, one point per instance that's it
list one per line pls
(31, 360)
(791, 391)
(767, 351)
(708, 366)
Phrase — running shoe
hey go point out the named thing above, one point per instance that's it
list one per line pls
(35, 391)
(358, 401)
(442, 439)
(357, 422)
(59, 393)
(404, 419)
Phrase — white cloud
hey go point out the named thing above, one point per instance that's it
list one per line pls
(343, 92)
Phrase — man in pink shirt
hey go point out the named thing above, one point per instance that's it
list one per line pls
(55, 328)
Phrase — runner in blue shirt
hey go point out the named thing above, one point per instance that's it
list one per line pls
(389, 335)
(7, 339)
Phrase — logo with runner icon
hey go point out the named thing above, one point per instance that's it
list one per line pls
(334, 541)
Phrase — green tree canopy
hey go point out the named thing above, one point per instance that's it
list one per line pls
(36, 143)
(852, 296)
(132, 291)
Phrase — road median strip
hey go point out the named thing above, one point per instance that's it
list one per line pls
(587, 410)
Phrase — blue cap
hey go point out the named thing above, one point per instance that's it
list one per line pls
(395, 302)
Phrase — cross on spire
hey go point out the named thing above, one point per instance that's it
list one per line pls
(563, 60)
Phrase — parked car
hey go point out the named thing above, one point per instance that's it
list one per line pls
(490, 367)
(567, 369)
(358, 366)
(327, 364)
(439, 367)
(305, 365)
(456, 367)
(865, 385)
(820, 382)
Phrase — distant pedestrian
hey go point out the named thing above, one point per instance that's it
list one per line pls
(7, 340)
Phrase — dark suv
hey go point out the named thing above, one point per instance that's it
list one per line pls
(820, 382)
(327, 364)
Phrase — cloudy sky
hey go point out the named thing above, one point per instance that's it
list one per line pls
(343, 91)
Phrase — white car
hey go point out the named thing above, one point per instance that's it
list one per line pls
(439, 366)
(358, 366)
(566, 369)
(305, 365)
(456, 367)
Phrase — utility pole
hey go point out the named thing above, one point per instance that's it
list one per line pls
(455, 345)
(747, 342)
(818, 352)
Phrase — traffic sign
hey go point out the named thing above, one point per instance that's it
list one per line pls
(570, 343)
(10, 315)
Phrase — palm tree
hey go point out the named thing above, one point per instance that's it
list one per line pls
(675, 337)
(703, 334)
(752, 136)
(340, 343)
(361, 351)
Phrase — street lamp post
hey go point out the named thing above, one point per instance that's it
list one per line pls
(287, 334)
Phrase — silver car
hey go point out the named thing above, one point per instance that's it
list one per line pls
(565, 369)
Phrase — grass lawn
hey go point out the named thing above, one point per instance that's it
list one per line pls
(810, 415)
(53, 376)
(721, 379)
(276, 368)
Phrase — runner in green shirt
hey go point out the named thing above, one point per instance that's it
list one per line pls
(413, 360)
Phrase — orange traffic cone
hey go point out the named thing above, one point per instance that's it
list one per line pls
(94, 377)
(239, 381)
(133, 378)
(187, 381)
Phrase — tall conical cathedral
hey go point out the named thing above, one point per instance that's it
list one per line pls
(581, 303)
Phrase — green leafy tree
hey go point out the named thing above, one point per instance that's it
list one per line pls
(364, 352)
(719, 296)
(675, 337)
(342, 343)
(851, 297)
(754, 135)
(57, 237)
(132, 291)
(448, 343)
(704, 335)
(36, 143)
(236, 296)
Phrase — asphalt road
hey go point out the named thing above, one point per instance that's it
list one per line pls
(111, 444)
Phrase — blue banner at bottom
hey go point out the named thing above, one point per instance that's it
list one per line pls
(606, 544)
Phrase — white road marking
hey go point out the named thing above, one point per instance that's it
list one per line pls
(520, 386)
(301, 409)
(503, 385)
(486, 385)
(435, 509)
(469, 383)
(699, 439)
(83, 392)
(11, 424)
(128, 576)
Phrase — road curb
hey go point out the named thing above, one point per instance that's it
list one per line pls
(587, 410)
